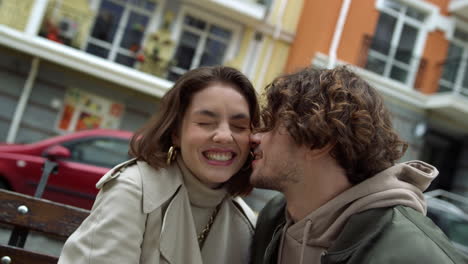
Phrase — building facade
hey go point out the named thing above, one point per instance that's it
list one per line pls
(73, 65)
(415, 53)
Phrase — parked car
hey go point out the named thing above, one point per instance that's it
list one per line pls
(449, 211)
(82, 157)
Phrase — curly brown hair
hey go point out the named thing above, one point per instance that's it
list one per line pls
(320, 107)
(152, 142)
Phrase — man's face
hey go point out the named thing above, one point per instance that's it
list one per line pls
(277, 161)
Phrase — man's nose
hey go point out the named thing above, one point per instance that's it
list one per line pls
(255, 139)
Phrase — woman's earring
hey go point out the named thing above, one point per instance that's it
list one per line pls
(171, 155)
(248, 162)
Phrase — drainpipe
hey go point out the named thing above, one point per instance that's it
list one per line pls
(35, 17)
(276, 35)
(19, 112)
(337, 35)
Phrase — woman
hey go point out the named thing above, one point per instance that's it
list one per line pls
(175, 202)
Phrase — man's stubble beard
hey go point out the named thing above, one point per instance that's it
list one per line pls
(278, 178)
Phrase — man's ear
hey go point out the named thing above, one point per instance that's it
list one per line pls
(320, 152)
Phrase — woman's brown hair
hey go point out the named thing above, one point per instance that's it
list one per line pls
(320, 107)
(152, 142)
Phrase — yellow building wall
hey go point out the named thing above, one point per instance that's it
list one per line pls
(238, 61)
(277, 62)
(15, 13)
(268, 68)
(290, 16)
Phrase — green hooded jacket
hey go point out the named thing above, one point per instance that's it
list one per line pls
(385, 235)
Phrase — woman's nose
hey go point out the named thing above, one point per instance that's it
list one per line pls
(223, 135)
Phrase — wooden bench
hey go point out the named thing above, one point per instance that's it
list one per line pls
(27, 213)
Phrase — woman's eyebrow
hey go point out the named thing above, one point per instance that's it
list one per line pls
(208, 113)
(205, 112)
(239, 116)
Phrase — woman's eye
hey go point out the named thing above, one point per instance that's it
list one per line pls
(241, 127)
(204, 124)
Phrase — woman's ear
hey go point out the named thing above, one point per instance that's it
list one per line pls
(175, 140)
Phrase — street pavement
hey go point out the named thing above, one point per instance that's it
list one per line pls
(35, 242)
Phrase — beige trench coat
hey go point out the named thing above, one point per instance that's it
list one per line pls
(143, 216)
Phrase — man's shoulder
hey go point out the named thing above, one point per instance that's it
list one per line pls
(394, 234)
(274, 210)
(270, 218)
(427, 236)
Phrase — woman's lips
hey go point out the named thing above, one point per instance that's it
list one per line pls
(219, 158)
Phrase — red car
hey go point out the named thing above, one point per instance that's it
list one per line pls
(82, 157)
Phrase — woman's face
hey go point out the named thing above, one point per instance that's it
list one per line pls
(214, 135)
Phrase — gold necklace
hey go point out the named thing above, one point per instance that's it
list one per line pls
(204, 233)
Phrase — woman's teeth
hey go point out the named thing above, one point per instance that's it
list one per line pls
(225, 156)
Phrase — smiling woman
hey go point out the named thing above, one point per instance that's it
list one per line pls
(214, 135)
(180, 191)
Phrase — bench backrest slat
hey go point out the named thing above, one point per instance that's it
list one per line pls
(43, 215)
(22, 256)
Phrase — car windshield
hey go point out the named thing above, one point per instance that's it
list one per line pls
(449, 211)
(455, 226)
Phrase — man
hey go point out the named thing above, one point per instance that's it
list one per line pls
(328, 145)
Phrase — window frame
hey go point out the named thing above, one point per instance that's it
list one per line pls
(154, 20)
(390, 60)
(430, 23)
(462, 70)
(210, 19)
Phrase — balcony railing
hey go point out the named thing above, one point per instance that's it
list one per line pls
(127, 33)
(392, 62)
(102, 33)
(67, 24)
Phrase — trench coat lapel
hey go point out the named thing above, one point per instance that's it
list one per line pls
(178, 235)
(158, 186)
(216, 241)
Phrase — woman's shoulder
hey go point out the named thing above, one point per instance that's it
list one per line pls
(141, 171)
(116, 171)
(156, 185)
(244, 211)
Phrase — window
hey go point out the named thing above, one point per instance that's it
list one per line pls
(119, 29)
(455, 75)
(398, 32)
(104, 152)
(201, 43)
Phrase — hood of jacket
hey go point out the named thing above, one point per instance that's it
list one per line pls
(401, 184)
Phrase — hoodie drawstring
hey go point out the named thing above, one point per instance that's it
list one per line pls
(304, 239)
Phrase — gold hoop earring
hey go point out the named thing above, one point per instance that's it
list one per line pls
(171, 155)
(249, 161)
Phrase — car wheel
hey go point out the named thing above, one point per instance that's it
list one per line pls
(4, 185)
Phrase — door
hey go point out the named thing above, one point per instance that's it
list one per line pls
(75, 181)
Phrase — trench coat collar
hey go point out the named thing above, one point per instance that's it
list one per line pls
(158, 186)
(177, 230)
(178, 239)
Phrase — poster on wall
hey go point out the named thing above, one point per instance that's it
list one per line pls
(83, 110)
